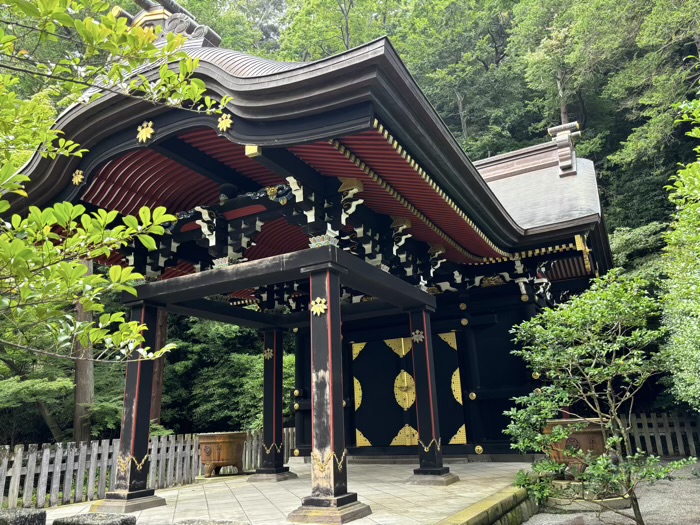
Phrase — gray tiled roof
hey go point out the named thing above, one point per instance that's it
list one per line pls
(541, 197)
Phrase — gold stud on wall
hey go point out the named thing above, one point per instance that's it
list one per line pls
(296, 452)
(296, 406)
(464, 321)
(297, 393)
(479, 449)
(462, 306)
(535, 375)
(472, 395)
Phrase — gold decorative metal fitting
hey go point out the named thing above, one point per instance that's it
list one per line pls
(464, 321)
(323, 464)
(472, 395)
(462, 306)
(524, 298)
(479, 449)
(251, 150)
(426, 448)
(535, 375)
(295, 330)
(345, 403)
(271, 192)
(538, 391)
(296, 406)
(297, 393)
(296, 452)
(418, 336)
(268, 353)
(225, 122)
(268, 450)
(145, 132)
(318, 306)
(78, 177)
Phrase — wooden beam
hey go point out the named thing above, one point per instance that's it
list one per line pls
(355, 274)
(195, 159)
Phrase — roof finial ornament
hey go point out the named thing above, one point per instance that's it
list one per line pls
(175, 19)
(564, 136)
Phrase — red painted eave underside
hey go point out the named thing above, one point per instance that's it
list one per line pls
(146, 178)
(375, 151)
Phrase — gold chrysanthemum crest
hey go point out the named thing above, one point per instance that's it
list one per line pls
(318, 306)
(225, 122)
(418, 336)
(267, 353)
(145, 132)
(78, 177)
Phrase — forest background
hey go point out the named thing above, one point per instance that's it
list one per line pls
(498, 72)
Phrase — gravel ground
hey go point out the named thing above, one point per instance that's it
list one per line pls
(674, 502)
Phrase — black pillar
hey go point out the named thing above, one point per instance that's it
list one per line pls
(430, 445)
(329, 494)
(272, 453)
(131, 493)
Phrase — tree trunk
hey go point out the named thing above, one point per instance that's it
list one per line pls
(639, 520)
(159, 366)
(84, 379)
(56, 431)
(563, 108)
(462, 113)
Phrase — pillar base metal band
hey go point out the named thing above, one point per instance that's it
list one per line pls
(431, 479)
(330, 514)
(261, 477)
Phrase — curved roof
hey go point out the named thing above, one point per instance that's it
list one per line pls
(284, 104)
(239, 64)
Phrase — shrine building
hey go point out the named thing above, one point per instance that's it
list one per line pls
(330, 202)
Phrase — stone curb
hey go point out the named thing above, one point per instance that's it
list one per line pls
(509, 506)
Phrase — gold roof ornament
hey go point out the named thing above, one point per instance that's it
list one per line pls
(225, 122)
(78, 177)
(145, 132)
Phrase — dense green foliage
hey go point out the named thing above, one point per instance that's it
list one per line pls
(214, 381)
(595, 352)
(681, 299)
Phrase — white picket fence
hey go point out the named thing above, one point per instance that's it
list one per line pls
(35, 476)
(665, 434)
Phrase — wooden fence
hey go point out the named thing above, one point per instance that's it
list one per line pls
(56, 474)
(667, 435)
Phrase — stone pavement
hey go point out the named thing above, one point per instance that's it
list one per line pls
(381, 486)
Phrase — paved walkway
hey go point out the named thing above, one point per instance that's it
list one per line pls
(380, 486)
